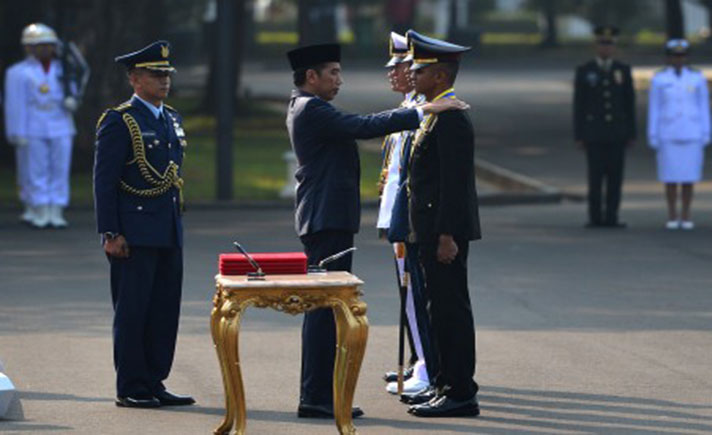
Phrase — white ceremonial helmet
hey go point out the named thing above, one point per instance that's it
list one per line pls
(38, 33)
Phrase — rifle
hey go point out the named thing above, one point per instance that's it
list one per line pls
(75, 75)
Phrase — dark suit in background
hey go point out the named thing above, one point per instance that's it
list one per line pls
(328, 210)
(443, 200)
(604, 120)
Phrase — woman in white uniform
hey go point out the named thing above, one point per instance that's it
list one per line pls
(679, 129)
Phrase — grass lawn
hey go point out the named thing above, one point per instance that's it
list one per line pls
(259, 170)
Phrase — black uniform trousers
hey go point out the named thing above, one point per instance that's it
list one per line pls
(451, 321)
(605, 161)
(420, 302)
(146, 293)
(319, 329)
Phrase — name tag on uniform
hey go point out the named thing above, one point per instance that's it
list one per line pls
(148, 134)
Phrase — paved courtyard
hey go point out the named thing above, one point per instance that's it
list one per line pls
(578, 330)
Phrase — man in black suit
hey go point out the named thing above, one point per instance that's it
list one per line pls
(445, 218)
(604, 125)
(328, 208)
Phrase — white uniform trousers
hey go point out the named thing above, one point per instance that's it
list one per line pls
(22, 172)
(49, 164)
(420, 371)
(680, 162)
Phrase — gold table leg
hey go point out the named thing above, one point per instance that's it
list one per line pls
(225, 326)
(351, 336)
(351, 333)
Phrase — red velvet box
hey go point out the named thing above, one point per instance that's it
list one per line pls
(272, 263)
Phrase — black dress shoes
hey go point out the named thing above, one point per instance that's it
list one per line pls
(443, 406)
(139, 401)
(422, 396)
(393, 376)
(306, 410)
(166, 398)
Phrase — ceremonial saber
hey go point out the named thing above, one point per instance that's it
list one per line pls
(403, 287)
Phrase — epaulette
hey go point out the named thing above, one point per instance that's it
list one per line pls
(120, 108)
(170, 108)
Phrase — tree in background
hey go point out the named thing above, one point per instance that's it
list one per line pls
(674, 20)
(708, 4)
(400, 14)
(316, 21)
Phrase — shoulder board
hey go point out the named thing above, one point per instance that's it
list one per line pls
(170, 108)
(120, 108)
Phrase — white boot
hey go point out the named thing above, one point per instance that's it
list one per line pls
(28, 215)
(41, 219)
(56, 219)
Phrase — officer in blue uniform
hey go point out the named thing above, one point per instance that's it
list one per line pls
(138, 198)
(328, 207)
(393, 220)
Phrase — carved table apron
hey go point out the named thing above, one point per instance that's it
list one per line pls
(291, 294)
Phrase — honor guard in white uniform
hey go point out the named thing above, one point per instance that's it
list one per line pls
(40, 125)
(393, 177)
(679, 129)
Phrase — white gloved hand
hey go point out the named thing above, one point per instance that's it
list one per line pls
(17, 141)
(71, 104)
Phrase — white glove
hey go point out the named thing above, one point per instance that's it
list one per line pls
(71, 104)
(17, 141)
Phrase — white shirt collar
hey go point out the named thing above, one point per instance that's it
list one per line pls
(604, 63)
(157, 111)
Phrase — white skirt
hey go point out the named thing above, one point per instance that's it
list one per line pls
(680, 162)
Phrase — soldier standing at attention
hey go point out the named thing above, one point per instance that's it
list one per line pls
(445, 218)
(328, 205)
(679, 129)
(138, 199)
(38, 122)
(604, 125)
(393, 215)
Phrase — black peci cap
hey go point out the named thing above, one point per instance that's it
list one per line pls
(311, 55)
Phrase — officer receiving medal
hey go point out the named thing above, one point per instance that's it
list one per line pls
(393, 222)
(138, 192)
(443, 209)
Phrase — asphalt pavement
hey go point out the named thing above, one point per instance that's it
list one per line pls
(598, 331)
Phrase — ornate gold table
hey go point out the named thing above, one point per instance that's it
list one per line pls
(291, 294)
